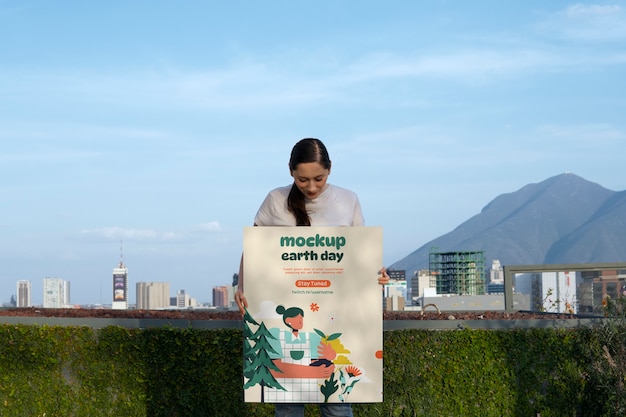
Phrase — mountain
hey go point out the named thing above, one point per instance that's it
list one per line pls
(564, 219)
(601, 239)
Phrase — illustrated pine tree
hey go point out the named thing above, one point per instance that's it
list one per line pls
(248, 351)
(257, 362)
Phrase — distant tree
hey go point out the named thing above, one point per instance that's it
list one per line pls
(235, 280)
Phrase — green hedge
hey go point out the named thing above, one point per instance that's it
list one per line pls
(166, 372)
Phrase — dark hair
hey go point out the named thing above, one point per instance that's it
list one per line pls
(306, 150)
(289, 312)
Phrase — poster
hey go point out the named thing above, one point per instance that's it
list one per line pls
(313, 326)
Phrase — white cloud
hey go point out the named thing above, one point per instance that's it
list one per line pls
(462, 63)
(120, 233)
(588, 135)
(48, 156)
(213, 226)
(593, 10)
(592, 22)
(268, 85)
(151, 235)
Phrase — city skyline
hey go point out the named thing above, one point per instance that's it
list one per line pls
(165, 125)
(24, 294)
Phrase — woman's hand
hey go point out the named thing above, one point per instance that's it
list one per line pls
(383, 279)
(241, 301)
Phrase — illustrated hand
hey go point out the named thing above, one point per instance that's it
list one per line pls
(241, 301)
(326, 371)
(326, 351)
(383, 279)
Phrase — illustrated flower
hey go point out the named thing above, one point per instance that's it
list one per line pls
(348, 377)
(353, 371)
(314, 307)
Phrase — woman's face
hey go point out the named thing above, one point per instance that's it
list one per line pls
(296, 322)
(310, 178)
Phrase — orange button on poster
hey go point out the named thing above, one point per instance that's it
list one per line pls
(312, 283)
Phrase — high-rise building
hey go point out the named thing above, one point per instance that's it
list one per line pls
(23, 293)
(397, 274)
(153, 295)
(461, 273)
(552, 292)
(120, 287)
(420, 281)
(394, 294)
(496, 281)
(184, 300)
(496, 273)
(56, 293)
(220, 296)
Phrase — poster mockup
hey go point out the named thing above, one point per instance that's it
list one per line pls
(313, 326)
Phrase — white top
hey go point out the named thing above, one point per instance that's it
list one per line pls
(335, 206)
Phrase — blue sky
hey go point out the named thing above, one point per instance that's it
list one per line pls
(160, 126)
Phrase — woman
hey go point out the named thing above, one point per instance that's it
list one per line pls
(309, 201)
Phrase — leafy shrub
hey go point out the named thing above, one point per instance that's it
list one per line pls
(167, 372)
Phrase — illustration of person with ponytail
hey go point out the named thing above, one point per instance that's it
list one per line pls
(303, 358)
